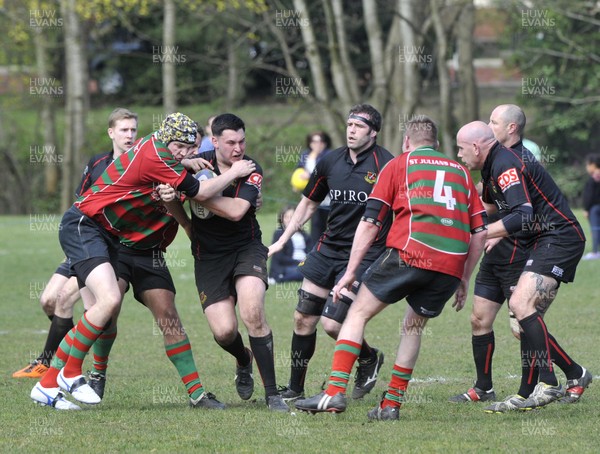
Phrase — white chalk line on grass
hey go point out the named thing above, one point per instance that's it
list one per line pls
(28, 331)
(440, 379)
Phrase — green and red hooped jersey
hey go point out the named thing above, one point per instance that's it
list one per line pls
(435, 207)
(124, 200)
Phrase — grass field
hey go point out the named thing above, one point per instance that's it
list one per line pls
(145, 406)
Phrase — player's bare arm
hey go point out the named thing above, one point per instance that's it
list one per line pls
(229, 208)
(366, 232)
(196, 164)
(214, 186)
(476, 246)
(177, 210)
(302, 213)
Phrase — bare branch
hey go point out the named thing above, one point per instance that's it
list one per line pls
(583, 18)
(572, 101)
(574, 45)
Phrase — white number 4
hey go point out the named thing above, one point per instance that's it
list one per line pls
(441, 193)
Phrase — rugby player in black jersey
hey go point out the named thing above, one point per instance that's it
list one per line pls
(230, 262)
(516, 184)
(347, 175)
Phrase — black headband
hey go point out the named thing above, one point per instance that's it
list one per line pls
(364, 120)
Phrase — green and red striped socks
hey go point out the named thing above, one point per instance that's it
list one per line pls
(58, 361)
(85, 335)
(346, 353)
(102, 348)
(397, 387)
(180, 354)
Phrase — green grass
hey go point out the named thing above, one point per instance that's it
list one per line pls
(145, 407)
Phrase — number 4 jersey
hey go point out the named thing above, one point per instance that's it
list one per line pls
(436, 207)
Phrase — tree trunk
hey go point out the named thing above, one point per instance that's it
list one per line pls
(405, 86)
(167, 53)
(318, 75)
(349, 71)
(47, 116)
(338, 71)
(335, 132)
(469, 99)
(374, 38)
(76, 101)
(446, 123)
(232, 98)
(13, 175)
(411, 70)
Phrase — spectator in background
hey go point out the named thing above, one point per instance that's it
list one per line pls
(591, 203)
(318, 145)
(284, 264)
(206, 144)
(534, 148)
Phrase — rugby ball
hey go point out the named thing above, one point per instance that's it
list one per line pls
(197, 209)
(298, 180)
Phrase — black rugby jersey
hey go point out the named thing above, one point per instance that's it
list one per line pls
(513, 177)
(95, 167)
(348, 185)
(513, 248)
(219, 235)
(509, 250)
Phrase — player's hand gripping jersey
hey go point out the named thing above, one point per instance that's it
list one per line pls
(217, 234)
(513, 177)
(130, 209)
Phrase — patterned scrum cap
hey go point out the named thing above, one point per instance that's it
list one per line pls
(177, 127)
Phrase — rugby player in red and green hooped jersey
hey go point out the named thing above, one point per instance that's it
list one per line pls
(61, 292)
(123, 204)
(435, 241)
(346, 175)
(146, 271)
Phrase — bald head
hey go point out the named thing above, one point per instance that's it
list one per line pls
(474, 141)
(508, 123)
(476, 131)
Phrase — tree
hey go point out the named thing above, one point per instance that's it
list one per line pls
(556, 49)
(76, 102)
(168, 55)
(338, 75)
(469, 98)
(382, 60)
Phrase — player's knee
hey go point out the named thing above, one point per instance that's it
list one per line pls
(224, 335)
(168, 313)
(254, 321)
(335, 314)
(304, 324)
(480, 322)
(48, 303)
(331, 327)
(518, 308)
(110, 303)
(65, 303)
